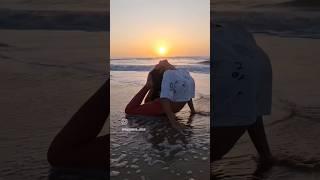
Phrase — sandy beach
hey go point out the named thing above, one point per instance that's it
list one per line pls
(292, 129)
(46, 76)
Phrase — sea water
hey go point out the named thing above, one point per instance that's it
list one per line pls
(285, 18)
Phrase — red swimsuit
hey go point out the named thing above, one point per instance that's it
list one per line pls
(152, 108)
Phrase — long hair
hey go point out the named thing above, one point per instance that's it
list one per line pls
(156, 76)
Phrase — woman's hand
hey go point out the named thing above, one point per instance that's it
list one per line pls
(171, 116)
(177, 126)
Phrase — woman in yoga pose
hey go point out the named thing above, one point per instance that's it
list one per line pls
(166, 92)
(79, 151)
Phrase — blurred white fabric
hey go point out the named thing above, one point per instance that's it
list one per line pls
(177, 85)
(241, 79)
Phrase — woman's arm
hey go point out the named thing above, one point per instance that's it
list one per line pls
(166, 106)
(151, 108)
(190, 104)
(149, 96)
(136, 101)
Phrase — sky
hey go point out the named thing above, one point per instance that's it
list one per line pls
(159, 28)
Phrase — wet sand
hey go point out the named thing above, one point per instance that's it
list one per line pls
(158, 152)
(293, 127)
(46, 76)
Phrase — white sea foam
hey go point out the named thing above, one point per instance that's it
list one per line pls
(133, 166)
(114, 173)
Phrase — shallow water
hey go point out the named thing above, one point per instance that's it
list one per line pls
(291, 132)
(158, 152)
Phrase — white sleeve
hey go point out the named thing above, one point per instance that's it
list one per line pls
(167, 91)
(193, 89)
(191, 84)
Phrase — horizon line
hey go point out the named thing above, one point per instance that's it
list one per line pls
(150, 57)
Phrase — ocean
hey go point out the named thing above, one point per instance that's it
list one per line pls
(192, 64)
(286, 18)
(69, 15)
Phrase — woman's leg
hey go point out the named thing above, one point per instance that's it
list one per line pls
(259, 139)
(135, 106)
(136, 100)
(77, 144)
(223, 139)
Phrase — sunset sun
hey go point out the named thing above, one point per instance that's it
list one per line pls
(162, 51)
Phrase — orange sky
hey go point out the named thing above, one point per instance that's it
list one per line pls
(155, 28)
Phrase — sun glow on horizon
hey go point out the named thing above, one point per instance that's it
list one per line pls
(162, 46)
(144, 30)
(162, 51)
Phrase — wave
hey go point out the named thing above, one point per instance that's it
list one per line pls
(285, 24)
(143, 68)
(306, 4)
(54, 20)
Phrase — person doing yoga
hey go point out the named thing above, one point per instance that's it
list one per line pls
(166, 92)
